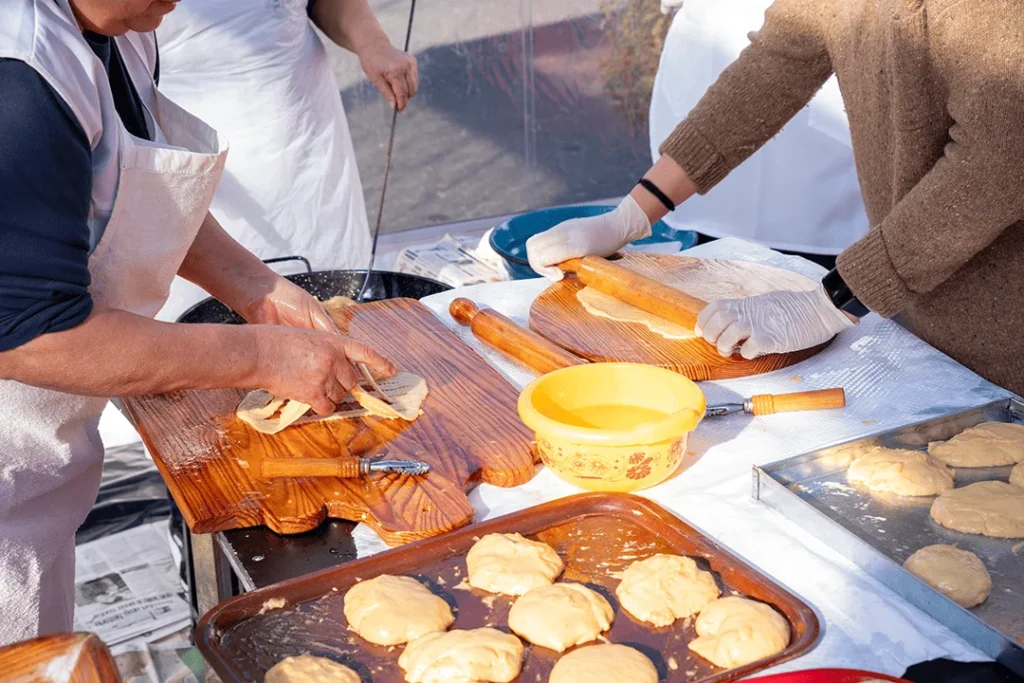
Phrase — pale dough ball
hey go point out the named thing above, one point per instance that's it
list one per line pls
(511, 564)
(990, 508)
(605, 663)
(905, 473)
(664, 588)
(989, 444)
(960, 575)
(560, 616)
(735, 631)
(309, 669)
(483, 655)
(1017, 475)
(391, 610)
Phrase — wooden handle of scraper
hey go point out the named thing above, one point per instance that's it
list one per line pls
(822, 399)
(636, 289)
(525, 347)
(281, 468)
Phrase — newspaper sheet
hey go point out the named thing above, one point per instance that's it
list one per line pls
(452, 260)
(127, 585)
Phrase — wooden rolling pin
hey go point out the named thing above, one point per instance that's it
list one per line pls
(537, 354)
(636, 289)
(524, 346)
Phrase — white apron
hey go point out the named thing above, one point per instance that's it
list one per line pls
(257, 71)
(154, 196)
(797, 193)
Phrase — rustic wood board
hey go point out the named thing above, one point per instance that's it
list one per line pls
(71, 657)
(470, 431)
(559, 316)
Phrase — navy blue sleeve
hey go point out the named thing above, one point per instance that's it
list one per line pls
(45, 194)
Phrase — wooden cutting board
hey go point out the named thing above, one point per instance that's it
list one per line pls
(470, 431)
(559, 316)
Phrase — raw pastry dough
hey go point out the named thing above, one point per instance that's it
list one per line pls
(511, 564)
(960, 575)
(560, 616)
(903, 472)
(390, 610)
(1017, 475)
(605, 663)
(604, 306)
(989, 444)
(268, 414)
(309, 669)
(664, 588)
(483, 655)
(735, 631)
(990, 508)
(408, 391)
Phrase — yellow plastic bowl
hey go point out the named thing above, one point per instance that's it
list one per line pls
(612, 426)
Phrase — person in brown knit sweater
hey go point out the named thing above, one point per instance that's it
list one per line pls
(934, 90)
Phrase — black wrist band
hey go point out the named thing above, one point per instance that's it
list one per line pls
(841, 295)
(658, 194)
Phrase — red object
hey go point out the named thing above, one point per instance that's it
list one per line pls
(826, 676)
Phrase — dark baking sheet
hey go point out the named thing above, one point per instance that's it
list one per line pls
(597, 535)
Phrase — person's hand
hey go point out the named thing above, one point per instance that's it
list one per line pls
(285, 303)
(601, 235)
(392, 71)
(777, 322)
(311, 366)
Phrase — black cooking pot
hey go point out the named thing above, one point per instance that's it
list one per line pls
(323, 284)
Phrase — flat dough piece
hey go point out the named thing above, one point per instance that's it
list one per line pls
(608, 663)
(268, 414)
(989, 508)
(408, 391)
(989, 444)
(483, 655)
(736, 631)
(511, 564)
(1017, 475)
(664, 588)
(560, 616)
(391, 610)
(605, 306)
(903, 472)
(958, 574)
(309, 669)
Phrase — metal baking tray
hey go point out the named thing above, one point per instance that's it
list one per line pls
(597, 535)
(879, 532)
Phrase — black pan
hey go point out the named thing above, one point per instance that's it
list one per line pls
(323, 284)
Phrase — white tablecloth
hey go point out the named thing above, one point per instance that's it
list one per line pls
(891, 379)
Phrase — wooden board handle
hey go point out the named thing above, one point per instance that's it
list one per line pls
(279, 468)
(822, 399)
(637, 290)
(525, 347)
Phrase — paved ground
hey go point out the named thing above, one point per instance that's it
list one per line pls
(508, 117)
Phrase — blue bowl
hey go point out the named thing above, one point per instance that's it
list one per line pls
(509, 239)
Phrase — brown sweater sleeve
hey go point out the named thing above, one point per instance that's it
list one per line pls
(976, 189)
(785, 64)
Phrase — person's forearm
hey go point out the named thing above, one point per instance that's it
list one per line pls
(670, 178)
(349, 23)
(226, 269)
(116, 353)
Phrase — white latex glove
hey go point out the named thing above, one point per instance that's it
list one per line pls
(777, 322)
(597, 235)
